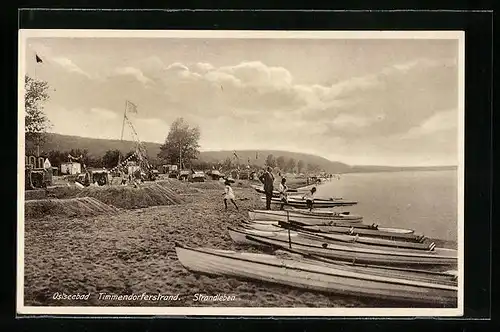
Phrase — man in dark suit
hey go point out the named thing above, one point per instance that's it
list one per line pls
(268, 180)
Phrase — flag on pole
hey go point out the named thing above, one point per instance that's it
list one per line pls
(131, 107)
(38, 59)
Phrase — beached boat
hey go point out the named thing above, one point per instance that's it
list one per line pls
(317, 275)
(344, 227)
(301, 203)
(320, 213)
(341, 239)
(346, 251)
(286, 215)
(357, 229)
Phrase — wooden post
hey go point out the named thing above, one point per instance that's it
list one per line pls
(180, 155)
(289, 236)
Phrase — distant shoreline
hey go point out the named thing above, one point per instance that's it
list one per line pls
(403, 169)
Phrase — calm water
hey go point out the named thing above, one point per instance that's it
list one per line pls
(423, 201)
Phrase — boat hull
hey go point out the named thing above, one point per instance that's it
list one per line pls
(315, 277)
(301, 203)
(345, 237)
(310, 220)
(342, 227)
(346, 252)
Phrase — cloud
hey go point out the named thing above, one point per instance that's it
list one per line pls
(134, 72)
(70, 66)
(392, 101)
(440, 122)
(92, 122)
(103, 113)
(257, 74)
(48, 56)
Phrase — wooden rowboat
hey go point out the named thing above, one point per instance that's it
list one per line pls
(314, 275)
(347, 238)
(301, 203)
(342, 227)
(310, 220)
(380, 232)
(348, 252)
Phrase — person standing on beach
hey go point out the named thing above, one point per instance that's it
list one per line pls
(229, 194)
(283, 190)
(268, 180)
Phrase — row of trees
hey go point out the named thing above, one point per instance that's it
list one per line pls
(110, 159)
(290, 164)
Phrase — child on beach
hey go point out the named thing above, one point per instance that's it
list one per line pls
(229, 194)
(309, 197)
(283, 190)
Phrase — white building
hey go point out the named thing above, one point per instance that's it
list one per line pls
(71, 168)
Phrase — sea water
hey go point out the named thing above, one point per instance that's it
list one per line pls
(425, 201)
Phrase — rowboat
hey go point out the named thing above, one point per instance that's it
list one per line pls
(348, 252)
(317, 198)
(341, 239)
(314, 212)
(375, 231)
(346, 227)
(315, 275)
(311, 220)
(301, 203)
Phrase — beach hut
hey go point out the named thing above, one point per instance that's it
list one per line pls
(71, 168)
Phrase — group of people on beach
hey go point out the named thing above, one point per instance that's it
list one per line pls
(267, 179)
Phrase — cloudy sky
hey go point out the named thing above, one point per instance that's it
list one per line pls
(384, 102)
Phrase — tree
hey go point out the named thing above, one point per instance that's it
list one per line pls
(111, 158)
(36, 122)
(56, 157)
(281, 163)
(300, 166)
(312, 167)
(85, 159)
(290, 165)
(270, 161)
(181, 143)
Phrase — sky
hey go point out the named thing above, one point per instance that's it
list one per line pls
(358, 101)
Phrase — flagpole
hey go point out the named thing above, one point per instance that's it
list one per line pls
(123, 124)
(37, 143)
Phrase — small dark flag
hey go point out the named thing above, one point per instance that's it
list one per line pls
(38, 59)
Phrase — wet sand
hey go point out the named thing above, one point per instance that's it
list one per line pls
(133, 252)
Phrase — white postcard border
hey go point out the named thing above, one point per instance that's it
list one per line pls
(21, 309)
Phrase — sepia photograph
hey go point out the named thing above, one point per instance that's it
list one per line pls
(260, 173)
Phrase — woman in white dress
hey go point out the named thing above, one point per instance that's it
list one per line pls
(229, 195)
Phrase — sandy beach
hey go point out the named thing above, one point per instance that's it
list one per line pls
(133, 252)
